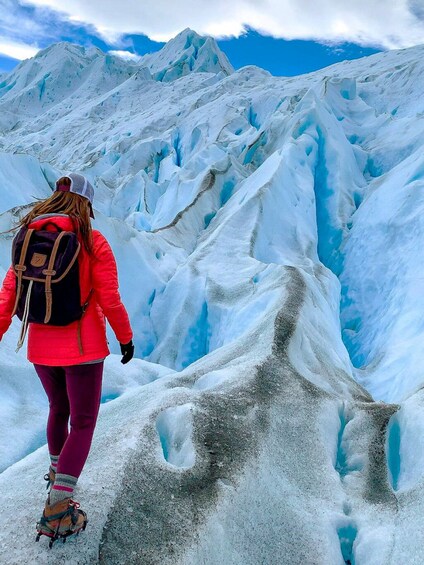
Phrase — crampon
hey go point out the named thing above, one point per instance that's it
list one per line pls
(61, 520)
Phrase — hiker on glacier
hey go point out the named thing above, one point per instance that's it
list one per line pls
(63, 283)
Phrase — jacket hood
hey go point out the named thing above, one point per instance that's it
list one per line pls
(53, 222)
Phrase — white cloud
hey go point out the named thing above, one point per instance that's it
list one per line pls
(126, 55)
(19, 25)
(20, 32)
(17, 50)
(389, 23)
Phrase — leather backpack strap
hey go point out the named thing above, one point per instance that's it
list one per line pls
(84, 308)
(86, 303)
(50, 272)
(20, 267)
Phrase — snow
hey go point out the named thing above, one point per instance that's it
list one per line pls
(268, 237)
(17, 172)
(175, 428)
(381, 309)
(185, 53)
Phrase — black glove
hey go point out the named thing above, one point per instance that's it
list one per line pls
(127, 351)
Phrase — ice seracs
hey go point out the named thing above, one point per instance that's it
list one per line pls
(268, 235)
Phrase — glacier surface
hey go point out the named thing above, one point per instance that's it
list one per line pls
(268, 237)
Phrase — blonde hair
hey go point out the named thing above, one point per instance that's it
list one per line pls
(75, 206)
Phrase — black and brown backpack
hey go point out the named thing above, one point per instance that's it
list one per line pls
(47, 278)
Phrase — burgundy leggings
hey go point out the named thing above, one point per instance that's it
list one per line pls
(72, 392)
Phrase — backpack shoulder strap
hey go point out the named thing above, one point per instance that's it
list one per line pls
(49, 272)
(20, 267)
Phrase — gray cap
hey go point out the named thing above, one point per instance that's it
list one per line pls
(79, 185)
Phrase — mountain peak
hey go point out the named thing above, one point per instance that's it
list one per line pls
(187, 52)
(187, 32)
(63, 48)
(58, 71)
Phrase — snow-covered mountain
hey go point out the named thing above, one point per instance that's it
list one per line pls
(268, 232)
(186, 53)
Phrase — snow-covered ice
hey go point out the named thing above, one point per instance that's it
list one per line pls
(268, 235)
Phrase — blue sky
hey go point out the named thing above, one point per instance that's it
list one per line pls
(278, 56)
(288, 43)
(294, 57)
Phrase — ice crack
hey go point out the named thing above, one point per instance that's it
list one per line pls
(347, 529)
(393, 451)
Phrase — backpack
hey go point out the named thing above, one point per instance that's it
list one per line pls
(47, 278)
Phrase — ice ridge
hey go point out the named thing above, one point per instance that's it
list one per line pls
(268, 236)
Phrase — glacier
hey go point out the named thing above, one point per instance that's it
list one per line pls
(267, 232)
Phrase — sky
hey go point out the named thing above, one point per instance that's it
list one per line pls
(285, 37)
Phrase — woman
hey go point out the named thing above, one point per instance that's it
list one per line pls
(69, 358)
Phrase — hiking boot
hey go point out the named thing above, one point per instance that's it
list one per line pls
(61, 520)
(50, 477)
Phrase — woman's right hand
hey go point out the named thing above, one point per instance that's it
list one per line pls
(127, 351)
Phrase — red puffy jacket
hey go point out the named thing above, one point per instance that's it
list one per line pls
(61, 345)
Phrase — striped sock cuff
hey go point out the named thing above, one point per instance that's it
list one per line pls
(63, 487)
(65, 482)
(53, 461)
